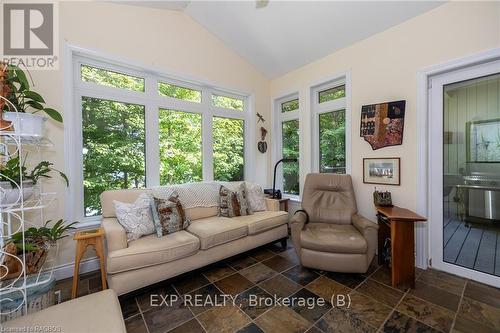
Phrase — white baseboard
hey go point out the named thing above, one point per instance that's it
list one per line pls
(66, 270)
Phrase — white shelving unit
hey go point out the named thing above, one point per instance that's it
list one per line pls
(19, 215)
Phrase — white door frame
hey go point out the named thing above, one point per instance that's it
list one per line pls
(429, 180)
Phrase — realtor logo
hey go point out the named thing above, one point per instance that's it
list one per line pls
(30, 33)
(28, 29)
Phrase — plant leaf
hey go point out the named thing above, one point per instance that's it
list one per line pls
(34, 96)
(53, 114)
(34, 104)
(22, 78)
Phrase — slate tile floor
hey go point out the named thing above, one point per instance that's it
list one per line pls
(440, 302)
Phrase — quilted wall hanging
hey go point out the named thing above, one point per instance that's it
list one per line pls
(382, 124)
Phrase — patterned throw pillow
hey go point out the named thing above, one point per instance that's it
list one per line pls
(255, 197)
(136, 218)
(233, 203)
(169, 215)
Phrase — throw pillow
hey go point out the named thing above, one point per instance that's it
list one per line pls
(255, 197)
(136, 217)
(233, 203)
(169, 215)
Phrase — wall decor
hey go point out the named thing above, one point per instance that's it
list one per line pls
(261, 118)
(382, 171)
(382, 124)
(262, 145)
(483, 141)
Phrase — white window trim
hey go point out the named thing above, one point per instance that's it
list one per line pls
(278, 118)
(73, 140)
(325, 107)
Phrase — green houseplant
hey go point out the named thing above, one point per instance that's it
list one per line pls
(28, 103)
(35, 245)
(10, 179)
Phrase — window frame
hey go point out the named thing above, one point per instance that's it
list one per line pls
(75, 89)
(317, 108)
(279, 118)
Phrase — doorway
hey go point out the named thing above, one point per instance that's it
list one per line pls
(464, 172)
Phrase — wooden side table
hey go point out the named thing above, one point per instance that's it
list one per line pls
(398, 224)
(85, 239)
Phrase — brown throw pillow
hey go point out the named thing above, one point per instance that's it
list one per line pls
(169, 215)
(233, 203)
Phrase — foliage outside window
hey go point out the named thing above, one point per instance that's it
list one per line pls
(227, 102)
(180, 147)
(111, 79)
(113, 149)
(290, 105)
(228, 148)
(178, 92)
(290, 149)
(332, 157)
(331, 94)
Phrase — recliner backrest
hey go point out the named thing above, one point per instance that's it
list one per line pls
(329, 198)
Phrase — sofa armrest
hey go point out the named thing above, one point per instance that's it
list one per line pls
(297, 224)
(116, 237)
(272, 205)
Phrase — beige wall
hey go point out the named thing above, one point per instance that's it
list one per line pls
(384, 68)
(168, 40)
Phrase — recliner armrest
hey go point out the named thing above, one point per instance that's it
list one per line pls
(362, 224)
(297, 224)
(116, 237)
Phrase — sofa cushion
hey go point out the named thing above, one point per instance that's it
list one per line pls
(152, 250)
(136, 218)
(197, 213)
(216, 230)
(336, 238)
(168, 215)
(263, 221)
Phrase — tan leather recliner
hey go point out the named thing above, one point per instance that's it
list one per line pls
(336, 238)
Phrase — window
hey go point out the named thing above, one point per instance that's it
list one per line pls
(228, 149)
(227, 102)
(113, 149)
(332, 142)
(287, 144)
(290, 149)
(290, 105)
(331, 93)
(174, 91)
(180, 147)
(111, 79)
(126, 134)
(330, 127)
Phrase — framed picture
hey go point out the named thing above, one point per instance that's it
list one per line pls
(483, 141)
(382, 171)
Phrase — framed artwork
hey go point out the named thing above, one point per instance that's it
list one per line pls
(483, 141)
(382, 125)
(385, 171)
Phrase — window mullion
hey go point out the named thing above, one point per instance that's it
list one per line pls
(152, 134)
(207, 137)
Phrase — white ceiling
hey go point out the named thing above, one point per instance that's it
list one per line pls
(285, 35)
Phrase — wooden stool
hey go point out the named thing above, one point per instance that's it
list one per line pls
(85, 239)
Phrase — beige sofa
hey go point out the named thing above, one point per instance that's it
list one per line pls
(209, 238)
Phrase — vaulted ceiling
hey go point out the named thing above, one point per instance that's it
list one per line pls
(285, 35)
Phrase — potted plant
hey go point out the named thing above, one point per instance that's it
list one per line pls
(10, 179)
(35, 246)
(16, 88)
